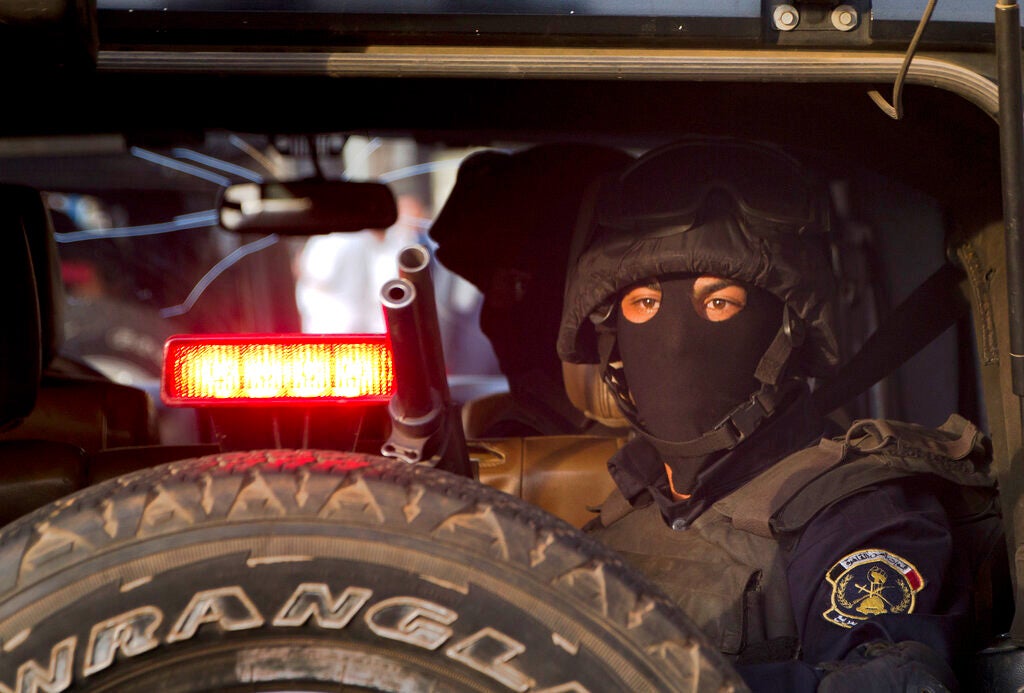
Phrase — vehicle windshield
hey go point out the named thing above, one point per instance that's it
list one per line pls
(143, 257)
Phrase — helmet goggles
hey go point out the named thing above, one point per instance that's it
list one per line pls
(672, 185)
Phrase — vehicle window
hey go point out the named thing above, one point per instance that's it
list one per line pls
(142, 256)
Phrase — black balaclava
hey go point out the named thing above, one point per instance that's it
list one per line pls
(686, 373)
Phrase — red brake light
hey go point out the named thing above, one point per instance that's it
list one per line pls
(249, 369)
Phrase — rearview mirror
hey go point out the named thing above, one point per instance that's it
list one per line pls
(307, 207)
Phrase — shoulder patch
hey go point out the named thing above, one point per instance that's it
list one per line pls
(871, 582)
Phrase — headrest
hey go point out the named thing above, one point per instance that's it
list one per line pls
(506, 228)
(25, 207)
(20, 353)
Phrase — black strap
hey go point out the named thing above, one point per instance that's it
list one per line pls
(752, 507)
(930, 310)
(736, 427)
(772, 365)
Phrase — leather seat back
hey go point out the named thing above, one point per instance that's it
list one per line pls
(564, 475)
(46, 397)
(20, 342)
(29, 208)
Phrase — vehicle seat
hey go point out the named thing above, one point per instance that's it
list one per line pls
(533, 441)
(54, 413)
(20, 351)
(564, 475)
(74, 404)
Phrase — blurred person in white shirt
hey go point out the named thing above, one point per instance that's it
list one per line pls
(340, 274)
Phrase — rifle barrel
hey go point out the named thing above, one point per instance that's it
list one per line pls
(414, 267)
(415, 397)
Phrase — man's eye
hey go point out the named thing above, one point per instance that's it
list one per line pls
(640, 304)
(717, 299)
(719, 308)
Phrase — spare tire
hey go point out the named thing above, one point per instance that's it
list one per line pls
(308, 570)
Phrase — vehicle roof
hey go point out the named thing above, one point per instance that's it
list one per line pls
(167, 71)
(547, 22)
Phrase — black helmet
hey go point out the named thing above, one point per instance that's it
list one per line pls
(647, 222)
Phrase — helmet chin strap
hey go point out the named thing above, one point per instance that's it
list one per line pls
(740, 423)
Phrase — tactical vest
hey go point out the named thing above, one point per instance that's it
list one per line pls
(726, 570)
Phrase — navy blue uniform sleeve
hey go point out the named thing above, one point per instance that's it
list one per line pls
(879, 566)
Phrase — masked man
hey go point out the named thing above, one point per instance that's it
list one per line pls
(703, 288)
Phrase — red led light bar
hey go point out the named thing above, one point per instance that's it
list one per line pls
(207, 370)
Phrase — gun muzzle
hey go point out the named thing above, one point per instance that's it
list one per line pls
(414, 267)
(416, 403)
